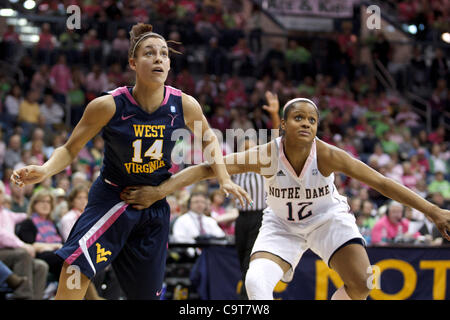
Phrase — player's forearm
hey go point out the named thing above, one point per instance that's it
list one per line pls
(145, 196)
(402, 194)
(220, 171)
(185, 178)
(58, 161)
(275, 118)
(275, 125)
(213, 155)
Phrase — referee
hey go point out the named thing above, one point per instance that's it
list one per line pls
(250, 217)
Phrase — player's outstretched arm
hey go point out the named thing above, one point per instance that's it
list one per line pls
(97, 114)
(212, 151)
(142, 197)
(332, 159)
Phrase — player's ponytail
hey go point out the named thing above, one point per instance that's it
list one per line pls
(139, 29)
(142, 31)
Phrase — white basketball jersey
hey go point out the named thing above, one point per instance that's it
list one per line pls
(306, 200)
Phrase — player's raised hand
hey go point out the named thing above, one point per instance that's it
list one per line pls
(28, 175)
(242, 195)
(273, 104)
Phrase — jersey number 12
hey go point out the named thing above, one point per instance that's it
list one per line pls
(301, 216)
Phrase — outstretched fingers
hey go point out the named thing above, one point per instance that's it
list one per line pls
(445, 230)
(128, 195)
(18, 175)
(239, 193)
(137, 197)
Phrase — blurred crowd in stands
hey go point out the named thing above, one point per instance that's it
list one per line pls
(228, 66)
(432, 15)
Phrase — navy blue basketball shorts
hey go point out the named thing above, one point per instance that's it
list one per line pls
(134, 241)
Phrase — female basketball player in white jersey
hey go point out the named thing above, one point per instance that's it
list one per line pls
(304, 209)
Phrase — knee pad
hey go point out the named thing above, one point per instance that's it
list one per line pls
(262, 277)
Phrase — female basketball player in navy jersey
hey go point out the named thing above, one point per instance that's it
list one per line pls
(304, 209)
(137, 124)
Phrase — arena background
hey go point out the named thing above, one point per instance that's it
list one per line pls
(378, 71)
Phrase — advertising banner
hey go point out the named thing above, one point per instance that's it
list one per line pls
(398, 273)
(320, 8)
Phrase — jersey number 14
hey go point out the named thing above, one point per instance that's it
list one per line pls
(300, 214)
(154, 152)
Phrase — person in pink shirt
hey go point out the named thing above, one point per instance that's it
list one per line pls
(96, 82)
(19, 256)
(92, 48)
(437, 136)
(235, 95)
(77, 202)
(120, 47)
(46, 38)
(225, 218)
(61, 79)
(409, 179)
(388, 227)
(46, 44)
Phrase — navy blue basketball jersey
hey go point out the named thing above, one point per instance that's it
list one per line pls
(138, 144)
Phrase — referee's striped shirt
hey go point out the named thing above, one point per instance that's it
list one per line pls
(253, 183)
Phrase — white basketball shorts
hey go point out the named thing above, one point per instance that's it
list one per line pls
(289, 241)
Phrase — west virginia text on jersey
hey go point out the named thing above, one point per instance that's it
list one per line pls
(149, 131)
(132, 167)
(138, 144)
